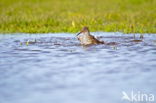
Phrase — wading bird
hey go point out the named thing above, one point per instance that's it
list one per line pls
(86, 38)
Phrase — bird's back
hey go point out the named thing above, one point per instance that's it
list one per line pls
(95, 41)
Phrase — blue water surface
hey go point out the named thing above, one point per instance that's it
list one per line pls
(55, 68)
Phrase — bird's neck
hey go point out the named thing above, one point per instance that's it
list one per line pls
(86, 33)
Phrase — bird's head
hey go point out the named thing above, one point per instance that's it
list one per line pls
(84, 30)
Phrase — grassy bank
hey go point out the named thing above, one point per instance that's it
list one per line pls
(41, 16)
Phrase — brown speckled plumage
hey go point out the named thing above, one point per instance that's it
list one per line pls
(86, 38)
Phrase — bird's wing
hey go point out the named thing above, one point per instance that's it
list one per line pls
(95, 40)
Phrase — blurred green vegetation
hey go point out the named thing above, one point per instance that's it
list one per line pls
(42, 16)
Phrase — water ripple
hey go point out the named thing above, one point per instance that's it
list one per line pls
(56, 68)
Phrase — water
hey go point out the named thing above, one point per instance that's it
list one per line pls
(55, 68)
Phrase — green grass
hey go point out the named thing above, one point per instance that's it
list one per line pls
(42, 16)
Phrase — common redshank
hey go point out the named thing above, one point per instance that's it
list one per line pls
(86, 38)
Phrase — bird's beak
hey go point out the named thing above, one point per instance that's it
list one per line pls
(78, 33)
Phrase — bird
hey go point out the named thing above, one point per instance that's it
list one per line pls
(86, 38)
